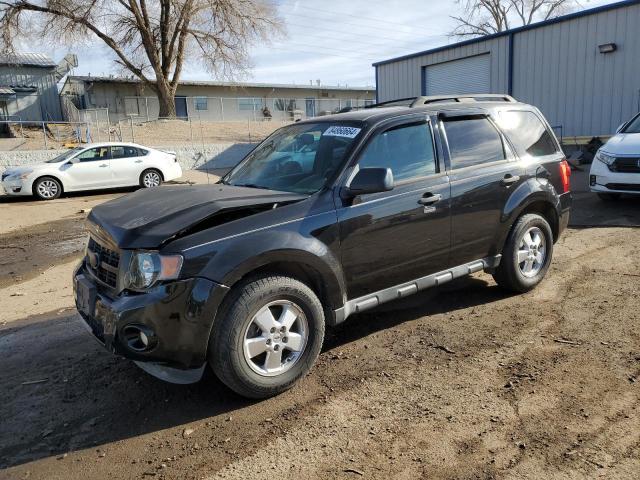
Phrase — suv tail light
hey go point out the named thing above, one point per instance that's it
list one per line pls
(565, 174)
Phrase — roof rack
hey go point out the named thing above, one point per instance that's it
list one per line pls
(426, 100)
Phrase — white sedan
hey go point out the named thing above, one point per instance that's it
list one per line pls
(92, 167)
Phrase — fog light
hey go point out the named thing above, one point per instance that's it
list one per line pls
(139, 338)
(592, 180)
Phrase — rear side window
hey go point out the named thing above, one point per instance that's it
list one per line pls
(406, 150)
(473, 141)
(527, 133)
(123, 152)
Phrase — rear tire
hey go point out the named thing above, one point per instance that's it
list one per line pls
(268, 336)
(527, 254)
(151, 178)
(47, 188)
(609, 197)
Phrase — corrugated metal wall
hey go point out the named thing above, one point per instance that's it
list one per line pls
(559, 69)
(556, 67)
(43, 106)
(404, 78)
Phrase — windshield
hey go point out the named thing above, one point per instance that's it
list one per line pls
(298, 158)
(634, 126)
(65, 155)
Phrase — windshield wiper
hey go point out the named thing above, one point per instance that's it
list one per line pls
(252, 185)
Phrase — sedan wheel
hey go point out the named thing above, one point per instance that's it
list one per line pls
(47, 188)
(150, 179)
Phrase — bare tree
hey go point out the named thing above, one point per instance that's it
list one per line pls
(150, 38)
(486, 17)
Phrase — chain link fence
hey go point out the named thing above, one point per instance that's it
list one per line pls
(199, 121)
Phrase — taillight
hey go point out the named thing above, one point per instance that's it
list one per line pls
(565, 174)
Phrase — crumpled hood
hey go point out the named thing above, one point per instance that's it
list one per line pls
(149, 217)
(623, 144)
(26, 168)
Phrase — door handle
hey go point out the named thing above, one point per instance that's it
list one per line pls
(430, 199)
(104, 165)
(509, 179)
(138, 161)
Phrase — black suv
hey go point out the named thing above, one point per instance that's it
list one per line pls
(325, 218)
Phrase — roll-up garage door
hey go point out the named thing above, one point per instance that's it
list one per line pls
(467, 75)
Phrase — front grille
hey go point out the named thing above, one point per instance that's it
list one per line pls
(626, 165)
(105, 262)
(630, 187)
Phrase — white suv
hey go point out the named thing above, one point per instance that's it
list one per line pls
(92, 167)
(616, 167)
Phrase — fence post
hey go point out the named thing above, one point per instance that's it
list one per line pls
(44, 132)
(146, 104)
(133, 138)
(222, 108)
(191, 129)
(249, 129)
(109, 125)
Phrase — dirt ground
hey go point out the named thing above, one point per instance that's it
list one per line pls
(464, 381)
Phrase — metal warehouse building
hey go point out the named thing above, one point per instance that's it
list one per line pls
(582, 70)
(28, 86)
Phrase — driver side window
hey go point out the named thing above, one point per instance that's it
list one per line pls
(94, 154)
(407, 150)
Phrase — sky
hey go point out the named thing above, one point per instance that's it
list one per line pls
(334, 41)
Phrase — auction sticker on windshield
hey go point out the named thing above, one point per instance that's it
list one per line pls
(340, 131)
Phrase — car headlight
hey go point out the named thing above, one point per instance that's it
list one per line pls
(21, 175)
(604, 158)
(147, 268)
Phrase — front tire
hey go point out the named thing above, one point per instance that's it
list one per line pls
(268, 336)
(47, 188)
(527, 254)
(150, 178)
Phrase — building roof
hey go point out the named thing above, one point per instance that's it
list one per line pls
(27, 59)
(563, 18)
(197, 83)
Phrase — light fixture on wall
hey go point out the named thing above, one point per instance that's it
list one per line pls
(607, 47)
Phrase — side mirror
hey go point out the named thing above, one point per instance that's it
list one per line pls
(74, 160)
(619, 129)
(370, 180)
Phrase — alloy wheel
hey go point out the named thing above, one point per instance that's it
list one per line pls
(532, 252)
(47, 189)
(151, 179)
(275, 338)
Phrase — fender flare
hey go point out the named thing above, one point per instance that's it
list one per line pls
(281, 249)
(532, 192)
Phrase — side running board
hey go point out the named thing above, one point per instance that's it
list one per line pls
(374, 299)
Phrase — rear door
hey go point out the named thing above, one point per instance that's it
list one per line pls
(483, 172)
(127, 164)
(389, 238)
(90, 169)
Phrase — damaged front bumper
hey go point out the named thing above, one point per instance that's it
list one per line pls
(165, 330)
